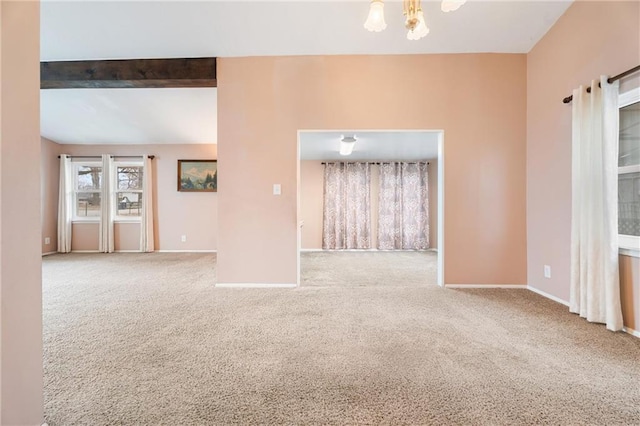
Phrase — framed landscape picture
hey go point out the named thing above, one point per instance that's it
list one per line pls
(197, 175)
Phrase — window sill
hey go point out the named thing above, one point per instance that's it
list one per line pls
(98, 220)
(629, 245)
(629, 252)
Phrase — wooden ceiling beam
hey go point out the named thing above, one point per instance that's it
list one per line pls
(128, 73)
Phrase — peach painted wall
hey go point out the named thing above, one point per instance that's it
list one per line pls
(630, 277)
(479, 100)
(50, 179)
(1, 386)
(590, 39)
(21, 373)
(177, 213)
(311, 203)
(126, 236)
(84, 236)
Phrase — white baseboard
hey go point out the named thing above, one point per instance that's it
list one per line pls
(506, 286)
(49, 253)
(631, 331)
(186, 251)
(361, 250)
(548, 296)
(255, 285)
(97, 251)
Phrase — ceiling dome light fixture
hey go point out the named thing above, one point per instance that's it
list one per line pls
(414, 16)
(346, 144)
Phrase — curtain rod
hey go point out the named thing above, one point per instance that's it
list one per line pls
(113, 156)
(610, 80)
(375, 162)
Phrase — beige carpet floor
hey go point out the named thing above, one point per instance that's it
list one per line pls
(142, 339)
(368, 268)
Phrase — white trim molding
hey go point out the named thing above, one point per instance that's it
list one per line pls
(366, 250)
(506, 286)
(548, 296)
(86, 251)
(628, 252)
(630, 97)
(255, 285)
(631, 331)
(629, 245)
(186, 251)
(628, 330)
(49, 253)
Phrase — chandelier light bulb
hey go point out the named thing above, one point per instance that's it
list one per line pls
(421, 30)
(451, 5)
(375, 20)
(414, 17)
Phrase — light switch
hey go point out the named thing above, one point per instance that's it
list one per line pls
(277, 190)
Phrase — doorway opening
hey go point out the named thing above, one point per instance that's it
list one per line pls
(380, 154)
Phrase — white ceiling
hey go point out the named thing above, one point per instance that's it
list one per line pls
(370, 145)
(129, 116)
(77, 30)
(161, 29)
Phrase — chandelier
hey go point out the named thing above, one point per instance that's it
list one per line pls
(414, 16)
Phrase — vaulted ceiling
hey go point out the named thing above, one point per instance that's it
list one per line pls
(76, 30)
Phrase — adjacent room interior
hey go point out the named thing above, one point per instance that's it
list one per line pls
(369, 202)
(190, 260)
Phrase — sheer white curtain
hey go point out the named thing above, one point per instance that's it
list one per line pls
(403, 206)
(65, 206)
(347, 206)
(105, 236)
(146, 221)
(595, 283)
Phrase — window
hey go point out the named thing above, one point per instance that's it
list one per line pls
(629, 173)
(87, 190)
(128, 191)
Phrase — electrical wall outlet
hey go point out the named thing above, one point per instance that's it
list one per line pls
(277, 189)
(183, 238)
(547, 271)
(47, 240)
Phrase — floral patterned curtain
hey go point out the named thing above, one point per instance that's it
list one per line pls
(403, 209)
(347, 206)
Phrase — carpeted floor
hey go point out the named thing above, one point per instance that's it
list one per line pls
(146, 339)
(369, 268)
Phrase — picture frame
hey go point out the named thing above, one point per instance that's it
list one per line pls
(197, 175)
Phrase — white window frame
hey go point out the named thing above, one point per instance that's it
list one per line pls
(116, 217)
(75, 166)
(629, 244)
